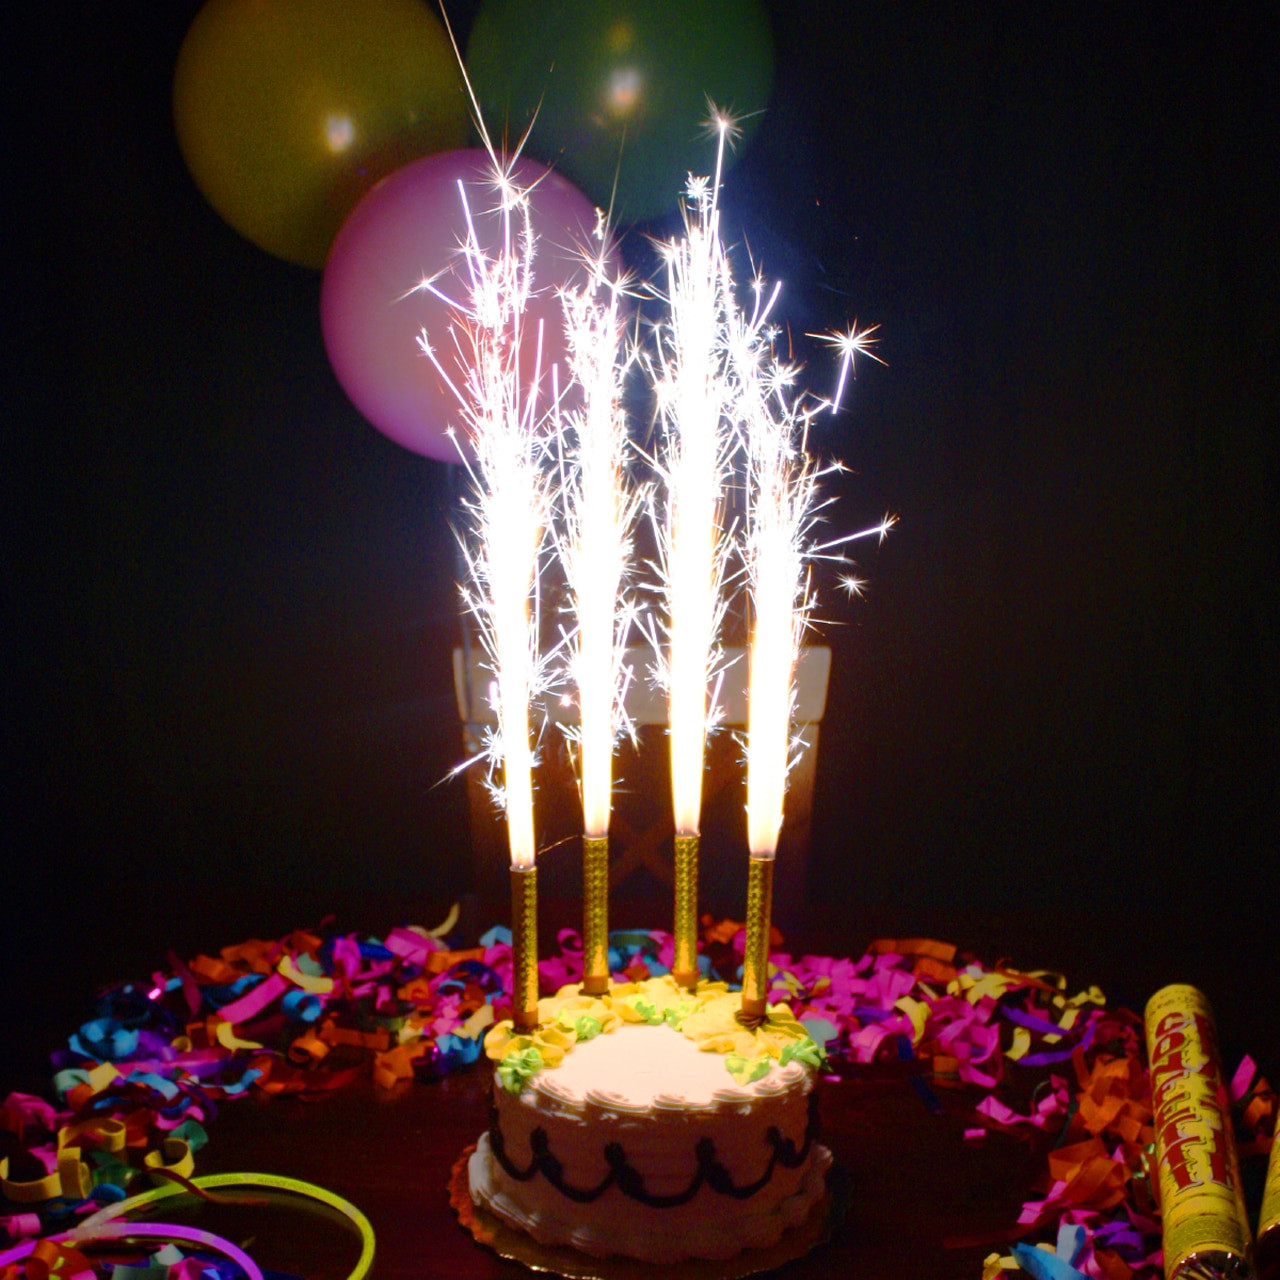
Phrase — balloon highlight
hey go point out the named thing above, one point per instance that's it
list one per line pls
(288, 111)
(620, 89)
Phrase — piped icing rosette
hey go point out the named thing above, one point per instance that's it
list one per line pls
(707, 1017)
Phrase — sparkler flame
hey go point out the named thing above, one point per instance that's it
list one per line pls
(599, 510)
(779, 550)
(691, 378)
(508, 510)
(717, 387)
(782, 512)
(781, 491)
(782, 480)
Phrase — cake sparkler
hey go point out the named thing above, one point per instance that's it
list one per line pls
(507, 513)
(691, 380)
(783, 508)
(719, 391)
(599, 508)
(781, 481)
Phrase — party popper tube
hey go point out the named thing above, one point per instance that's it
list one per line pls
(1268, 1251)
(1202, 1215)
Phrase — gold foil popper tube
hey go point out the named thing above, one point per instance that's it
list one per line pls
(595, 915)
(685, 967)
(1268, 1251)
(524, 948)
(1202, 1214)
(755, 961)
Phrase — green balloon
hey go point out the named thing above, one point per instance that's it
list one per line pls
(620, 88)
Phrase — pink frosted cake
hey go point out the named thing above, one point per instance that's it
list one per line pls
(649, 1141)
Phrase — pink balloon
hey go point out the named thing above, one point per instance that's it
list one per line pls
(409, 227)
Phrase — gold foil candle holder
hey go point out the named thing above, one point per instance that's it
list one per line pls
(755, 961)
(595, 915)
(685, 967)
(524, 948)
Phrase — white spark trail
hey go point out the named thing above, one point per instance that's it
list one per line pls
(779, 548)
(599, 507)
(691, 379)
(509, 509)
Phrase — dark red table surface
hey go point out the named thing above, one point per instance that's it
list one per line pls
(908, 1181)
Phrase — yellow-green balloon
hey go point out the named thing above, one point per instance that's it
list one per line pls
(620, 87)
(288, 111)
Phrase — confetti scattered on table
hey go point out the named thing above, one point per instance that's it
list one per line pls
(1002, 1049)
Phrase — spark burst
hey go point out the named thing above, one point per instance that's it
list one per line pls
(779, 547)
(691, 379)
(778, 551)
(850, 343)
(782, 483)
(509, 507)
(599, 511)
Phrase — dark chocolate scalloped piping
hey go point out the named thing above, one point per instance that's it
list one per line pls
(630, 1181)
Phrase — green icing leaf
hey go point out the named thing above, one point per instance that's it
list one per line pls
(745, 1070)
(808, 1051)
(583, 1025)
(586, 1026)
(516, 1068)
(646, 1009)
(676, 1014)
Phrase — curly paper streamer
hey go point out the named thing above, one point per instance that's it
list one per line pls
(28, 1190)
(1043, 1265)
(69, 1261)
(19, 1226)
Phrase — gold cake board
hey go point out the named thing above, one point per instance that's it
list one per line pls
(490, 1231)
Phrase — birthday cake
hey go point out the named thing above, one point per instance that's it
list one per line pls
(664, 1130)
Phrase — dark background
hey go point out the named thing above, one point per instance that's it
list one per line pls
(229, 603)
